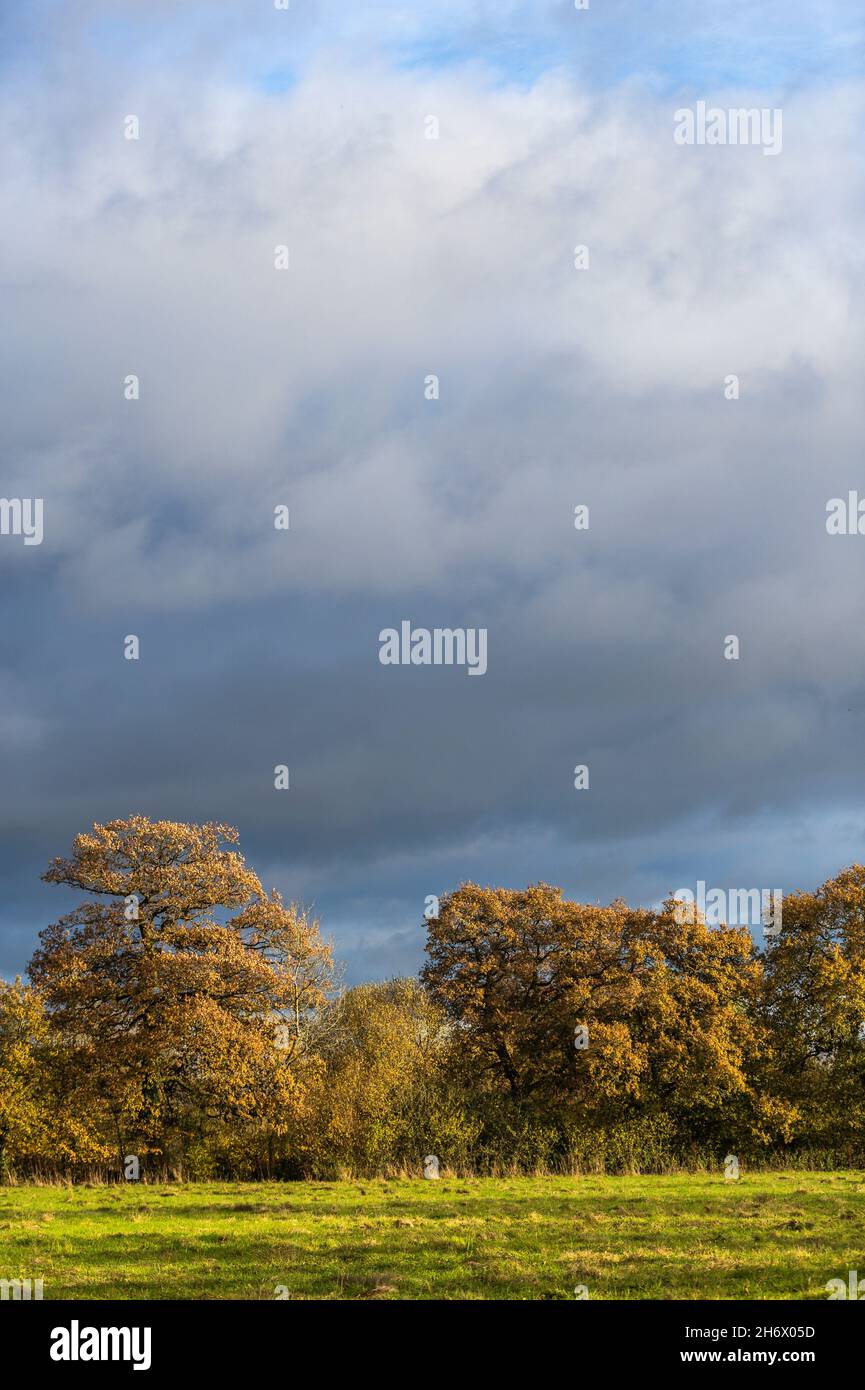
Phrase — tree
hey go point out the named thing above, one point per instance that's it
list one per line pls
(813, 1005)
(611, 1010)
(382, 1100)
(23, 1030)
(177, 1016)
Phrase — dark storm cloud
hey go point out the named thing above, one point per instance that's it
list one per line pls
(558, 387)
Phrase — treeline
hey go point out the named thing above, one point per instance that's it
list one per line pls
(182, 1016)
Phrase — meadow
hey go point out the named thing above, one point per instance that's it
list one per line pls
(778, 1235)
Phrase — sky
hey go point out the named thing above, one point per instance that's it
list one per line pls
(605, 386)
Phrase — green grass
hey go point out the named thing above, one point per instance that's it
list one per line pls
(769, 1235)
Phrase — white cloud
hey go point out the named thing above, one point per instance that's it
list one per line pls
(408, 257)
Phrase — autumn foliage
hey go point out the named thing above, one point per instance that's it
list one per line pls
(179, 992)
(183, 1014)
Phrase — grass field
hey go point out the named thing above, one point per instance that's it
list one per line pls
(778, 1235)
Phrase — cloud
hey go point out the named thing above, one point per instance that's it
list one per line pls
(305, 387)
